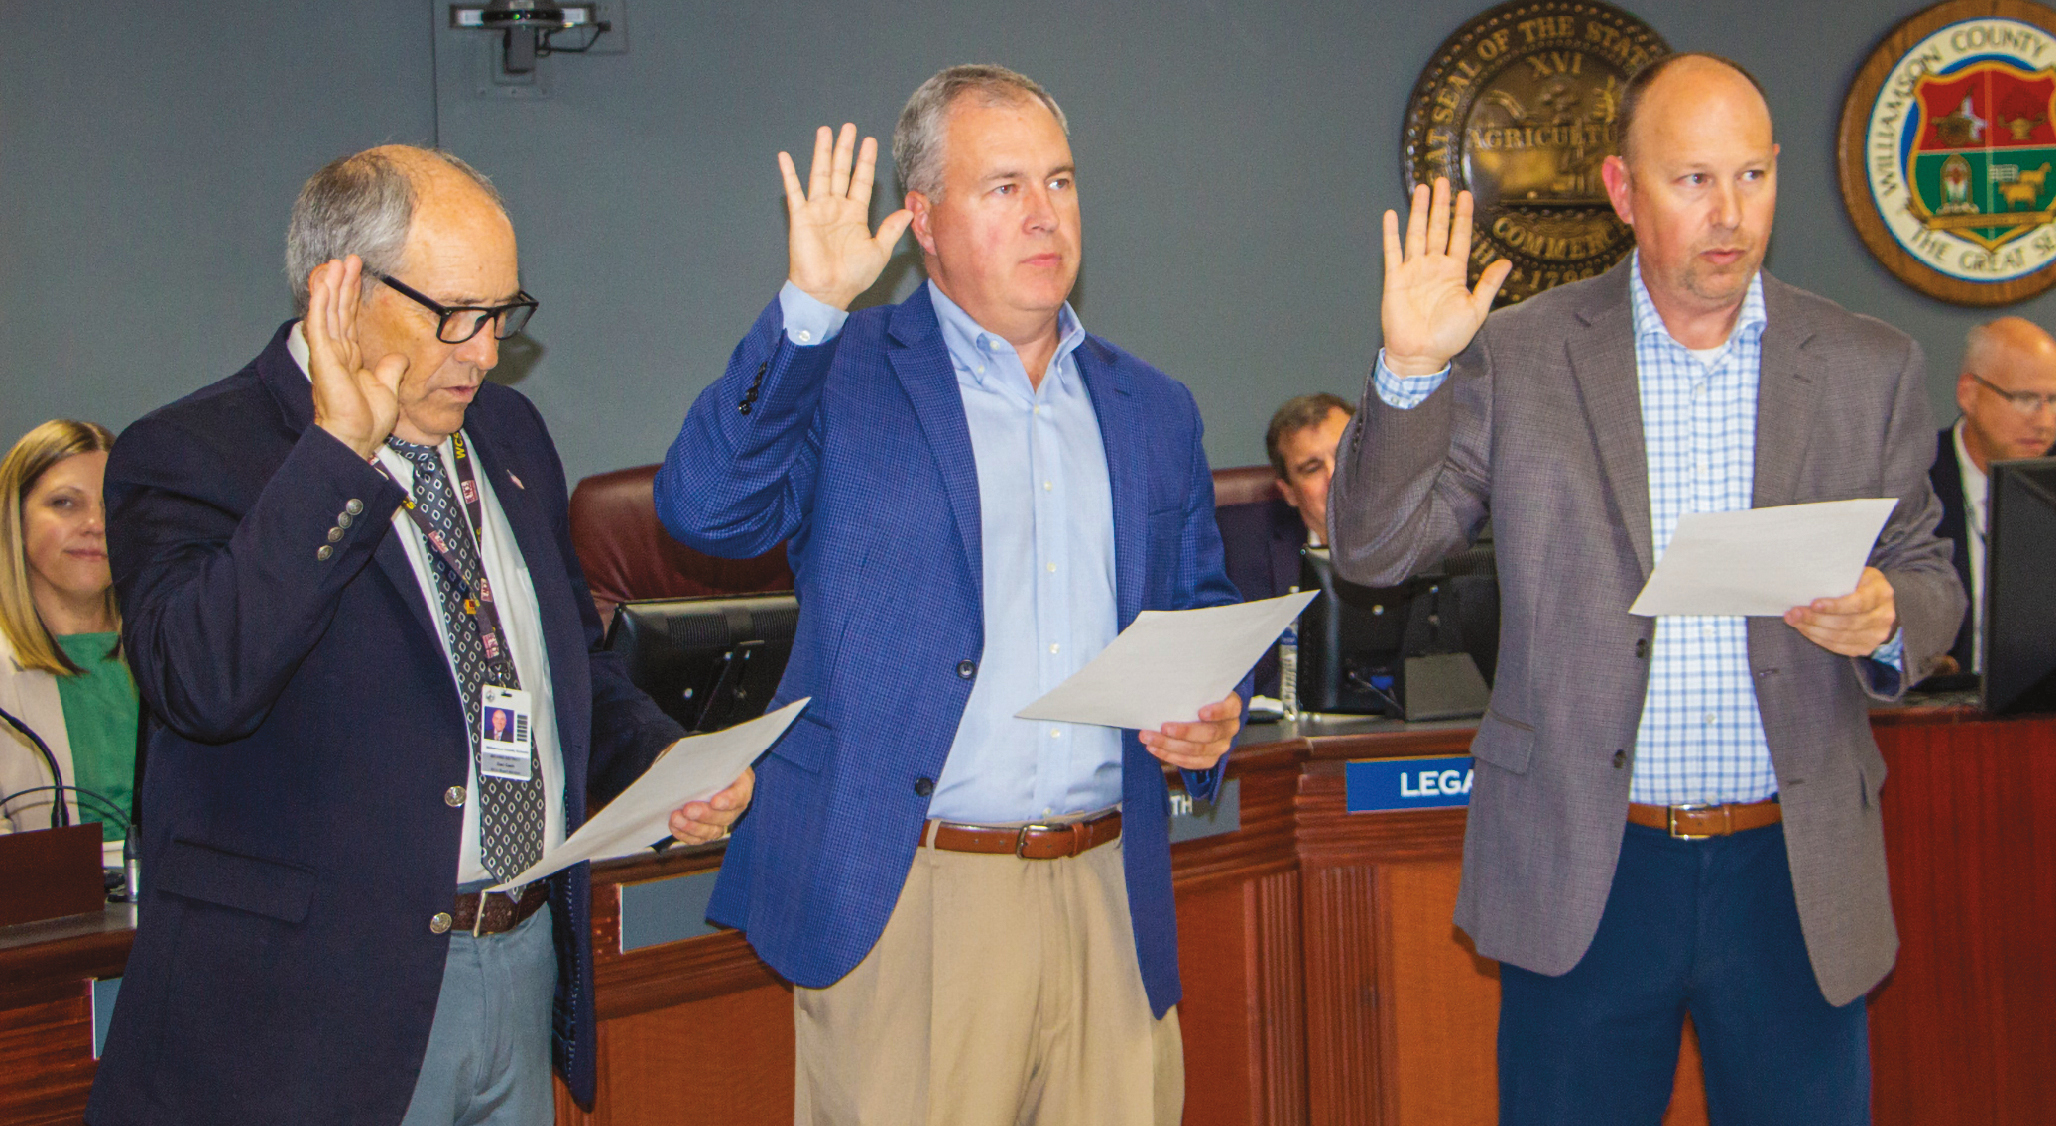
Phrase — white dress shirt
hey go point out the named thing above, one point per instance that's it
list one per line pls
(1977, 489)
(520, 618)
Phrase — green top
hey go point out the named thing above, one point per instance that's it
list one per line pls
(100, 720)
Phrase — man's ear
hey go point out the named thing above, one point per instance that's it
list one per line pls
(1966, 390)
(1285, 492)
(918, 204)
(1613, 171)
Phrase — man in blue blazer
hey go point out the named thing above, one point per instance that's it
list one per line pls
(313, 943)
(978, 495)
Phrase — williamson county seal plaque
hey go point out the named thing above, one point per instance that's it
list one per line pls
(1519, 106)
(1948, 151)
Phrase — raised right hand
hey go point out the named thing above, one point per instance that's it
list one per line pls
(833, 254)
(356, 404)
(1428, 314)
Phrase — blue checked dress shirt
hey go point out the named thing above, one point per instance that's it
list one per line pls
(1046, 514)
(1701, 737)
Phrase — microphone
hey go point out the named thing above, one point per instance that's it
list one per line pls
(60, 814)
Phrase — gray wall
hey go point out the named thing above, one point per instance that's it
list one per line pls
(1234, 157)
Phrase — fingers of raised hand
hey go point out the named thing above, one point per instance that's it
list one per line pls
(794, 197)
(1438, 217)
(819, 171)
(1417, 223)
(892, 228)
(845, 154)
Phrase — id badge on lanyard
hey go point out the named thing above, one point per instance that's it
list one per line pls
(505, 734)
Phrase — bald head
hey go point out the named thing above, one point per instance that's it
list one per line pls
(1655, 93)
(365, 204)
(2007, 363)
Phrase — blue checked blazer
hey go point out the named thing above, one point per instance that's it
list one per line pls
(858, 453)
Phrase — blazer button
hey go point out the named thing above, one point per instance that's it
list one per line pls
(454, 796)
(334, 534)
(1641, 647)
(439, 923)
(1620, 759)
(967, 669)
(354, 506)
(924, 786)
(343, 519)
(743, 408)
(324, 552)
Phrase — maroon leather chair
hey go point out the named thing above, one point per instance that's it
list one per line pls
(627, 555)
(1244, 484)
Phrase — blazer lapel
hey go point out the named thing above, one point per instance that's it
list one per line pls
(1602, 360)
(1786, 398)
(287, 382)
(1119, 426)
(921, 361)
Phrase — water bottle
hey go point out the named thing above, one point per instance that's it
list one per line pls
(1288, 669)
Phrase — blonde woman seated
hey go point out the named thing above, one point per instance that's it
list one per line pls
(61, 668)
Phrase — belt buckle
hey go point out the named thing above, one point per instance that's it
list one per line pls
(1671, 820)
(1021, 841)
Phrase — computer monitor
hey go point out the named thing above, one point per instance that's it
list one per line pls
(709, 663)
(2020, 596)
(1425, 649)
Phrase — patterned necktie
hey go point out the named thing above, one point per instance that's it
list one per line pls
(510, 812)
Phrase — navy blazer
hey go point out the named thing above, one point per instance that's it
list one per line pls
(858, 451)
(1947, 477)
(1262, 543)
(296, 841)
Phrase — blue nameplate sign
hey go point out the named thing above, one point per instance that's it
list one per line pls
(1439, 782)
(666, 909)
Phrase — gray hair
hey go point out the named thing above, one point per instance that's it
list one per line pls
(917, 140)
(364, 205)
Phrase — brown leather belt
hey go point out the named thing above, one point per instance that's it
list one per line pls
(1696, 822)
(503, 912)
(1029, 842)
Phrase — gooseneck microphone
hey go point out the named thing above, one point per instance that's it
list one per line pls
(60, 813)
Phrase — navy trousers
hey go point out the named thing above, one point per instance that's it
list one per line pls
(1705, 927)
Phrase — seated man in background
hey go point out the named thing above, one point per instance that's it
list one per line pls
(329, 563)
(1262, 541)
(2007, 392)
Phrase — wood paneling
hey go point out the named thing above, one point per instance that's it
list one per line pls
(1961, 1030)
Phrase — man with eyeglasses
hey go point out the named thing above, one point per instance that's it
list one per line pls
(346, 576)
(2007, 392)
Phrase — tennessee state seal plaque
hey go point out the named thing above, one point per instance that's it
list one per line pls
(1947, 149)
(1519, 106)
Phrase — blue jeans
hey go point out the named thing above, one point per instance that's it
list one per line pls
(1704, 927)
(488, 1058)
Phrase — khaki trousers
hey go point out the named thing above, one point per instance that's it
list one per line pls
(1004, 992)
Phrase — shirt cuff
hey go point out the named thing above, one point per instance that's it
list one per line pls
(1405, 392)
(808, 322)
(1888, 664)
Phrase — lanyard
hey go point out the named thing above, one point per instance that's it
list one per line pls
(478, 603)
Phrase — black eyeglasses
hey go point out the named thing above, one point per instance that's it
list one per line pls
(2024, 403)
(459, 323)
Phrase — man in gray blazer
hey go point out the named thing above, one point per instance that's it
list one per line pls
(1677, 815)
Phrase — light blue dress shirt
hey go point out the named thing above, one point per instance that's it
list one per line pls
(1701, 736)
(1046, 516)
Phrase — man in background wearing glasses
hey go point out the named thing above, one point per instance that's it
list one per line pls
(2007, 392)
(334, 567)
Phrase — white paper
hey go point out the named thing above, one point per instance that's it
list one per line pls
(1168, 664)
(694, 769)
(1761, 562)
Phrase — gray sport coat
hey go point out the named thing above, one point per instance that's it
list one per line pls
(1539, 431)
